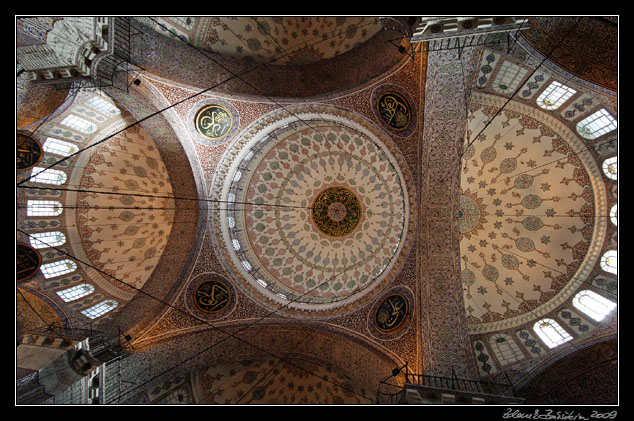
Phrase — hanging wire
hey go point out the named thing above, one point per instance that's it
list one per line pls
(214, 327)
(563, 38)
(195, 199)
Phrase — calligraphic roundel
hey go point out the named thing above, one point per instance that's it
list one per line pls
(211, 296)
(214, 122)
(27, 261)
(28, 152)
(391, 314)
(395, 109)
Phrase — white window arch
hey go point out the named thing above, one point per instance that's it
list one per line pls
(76, 292)
(58, 268)
(551, 333)
(609, 168)
(43, 208)
(614, 214)
(597, 124)
(608, 261)
(48, 176)
(41, 240)
(100, 309)
(79, 123)
(593, 304)
(554, 96)
(59, 147)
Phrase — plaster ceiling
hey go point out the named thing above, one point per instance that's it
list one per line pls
(137, 217)
(293, 40)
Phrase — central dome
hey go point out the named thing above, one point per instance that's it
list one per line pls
(317, 211)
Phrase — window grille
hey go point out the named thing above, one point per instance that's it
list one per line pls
(551, 333)
(593, 304)
(596, 125)
(58, 268)
(41, 240)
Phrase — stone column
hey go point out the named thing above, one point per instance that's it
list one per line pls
(445, 344)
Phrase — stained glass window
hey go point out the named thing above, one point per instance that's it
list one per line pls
(554, 96)
(58, 268)
(48, 176)
(593, 304)
(79, 123)
(47, 239)
(59, 147)
(597, 124)
(76, 292)
(551, 333)
(609, 168)
(43, 208)
(99, 309)
(608, 261)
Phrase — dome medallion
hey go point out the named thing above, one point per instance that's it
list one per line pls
(317, 212)
(336, 211)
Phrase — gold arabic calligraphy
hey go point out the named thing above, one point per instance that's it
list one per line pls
(391, 313)
(211, 296)
(27, 262)
(213, 122)
(394, 110)
(336, 211)
(28, 152)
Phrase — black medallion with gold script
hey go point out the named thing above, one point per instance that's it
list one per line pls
(28, 152)
(394, 110)
(211, 296)
(392, 313)
(213, 122)
(27, 262)
(336, 211)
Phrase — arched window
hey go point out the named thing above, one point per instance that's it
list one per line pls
(104, 106)
(609, 168)
(554, 96)
(99, 309)
(509, 77)
(551, 333)
(593, 304)
(608, 261)
(48, 176)
(43, 208)
(79, 123)
(596, 124)
(58, 268)
(59, 147)
(41, 240)
(76, 292)
(613, 215)
(505, 348)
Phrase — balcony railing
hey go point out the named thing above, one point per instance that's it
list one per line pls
(389, 393)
